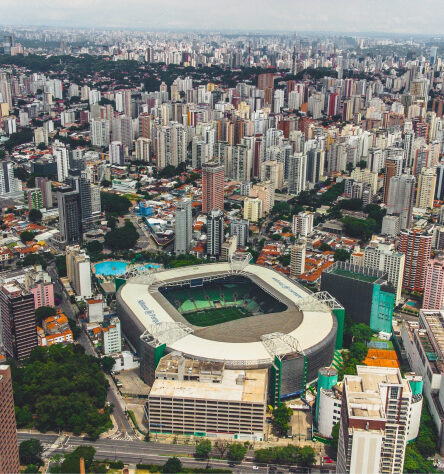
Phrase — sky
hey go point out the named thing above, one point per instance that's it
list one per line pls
(346, 16)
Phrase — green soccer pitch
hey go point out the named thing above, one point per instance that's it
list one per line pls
(210, 317)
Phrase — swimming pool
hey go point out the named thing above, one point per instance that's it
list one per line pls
(117, 267)
(411, 303)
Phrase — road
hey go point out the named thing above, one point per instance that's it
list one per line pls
(145, 241)
(134, 452)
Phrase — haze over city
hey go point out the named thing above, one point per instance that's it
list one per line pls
(345, 16)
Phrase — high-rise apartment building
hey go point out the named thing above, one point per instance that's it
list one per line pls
(384, 257)
(273, 171)
(297, 170)
(112, 337)
(183, 227)
(9, 451)
(143, 149)
(303, 223)
(212, 186)
(416, 245)
(116, 153)
(18, 320)
(69, 215)
(171, 145)
(78, 269)
(252, 209)
(439, 187)
(379, 411)
(100, 132)
(434, 284)
(297, 258)
(7, 183)
(33, 198)
(45, 186)
(426, 188)
(401, 199)
(393, 167)
(61, 156)
(240, 228)
(215, 233)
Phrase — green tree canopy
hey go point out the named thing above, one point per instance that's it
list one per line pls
(342, 255)
(26, 236)
(107, 364)
(203, 449)
(281, 419)
(44, 312)
(173, 466)
(122, 238)
(94, 246)
(114, 203)
(237, 452)
(30, 452)
(35, 215)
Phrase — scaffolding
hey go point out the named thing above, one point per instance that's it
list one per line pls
(278, 344)
(165, 333)
(238, 261)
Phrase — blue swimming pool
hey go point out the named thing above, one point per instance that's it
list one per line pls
(411, 303)
(117, 267)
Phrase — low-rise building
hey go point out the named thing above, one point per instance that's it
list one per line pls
(190, 396)
(55, 330)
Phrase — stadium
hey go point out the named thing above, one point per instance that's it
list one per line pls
(243, 315)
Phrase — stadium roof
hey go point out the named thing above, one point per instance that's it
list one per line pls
(141, 298)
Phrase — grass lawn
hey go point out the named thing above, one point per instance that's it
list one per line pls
(211, 317)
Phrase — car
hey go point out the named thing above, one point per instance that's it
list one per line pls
(255, 468)
(328, 460)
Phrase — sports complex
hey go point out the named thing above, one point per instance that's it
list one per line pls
(243, 315)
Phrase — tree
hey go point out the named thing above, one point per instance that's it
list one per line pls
(221, 445)
(30, 452)
(34, 215)
(335, 435)
(324, 247)
(71, 463)
(107, 364)
(361, 333)
(44, 312)
(341, 255)
(358, 351)
(354, 204)
(34, 259)
(26, 236)
(61, 265)
(94, 246)
(31, 469)
(173, 465)
(307, 456)
(122, 238)
(203, 449)
(284, 260)
(237, 452)
(281, 419)
(114, 203)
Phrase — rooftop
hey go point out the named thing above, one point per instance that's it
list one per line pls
(235, 386)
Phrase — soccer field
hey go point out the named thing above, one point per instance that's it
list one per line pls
(211, 317)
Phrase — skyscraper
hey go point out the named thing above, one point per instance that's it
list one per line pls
(171, 145)
(379, 413)
(78, 269)
(297, 170)
(100, 132)
(62, 159)
(18, 320)
(116, 153)
(240, 228)
(416, 245)
(212, 186)
(393, 167)
(215, 233)
(9, 452)
(69, 215)
(45, 186)
(7, 184)
(426, 188)
(81, 183)
(400, 199)
(183, 227)
(297, 259)
(143, 149)
(434, 284)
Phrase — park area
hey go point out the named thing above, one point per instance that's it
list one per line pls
(210, 317)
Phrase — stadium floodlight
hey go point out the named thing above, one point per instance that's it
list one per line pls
(168, 332)
(278, 344)
(328, 299)
(238, 261)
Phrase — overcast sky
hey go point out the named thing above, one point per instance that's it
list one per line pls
(397, 16)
